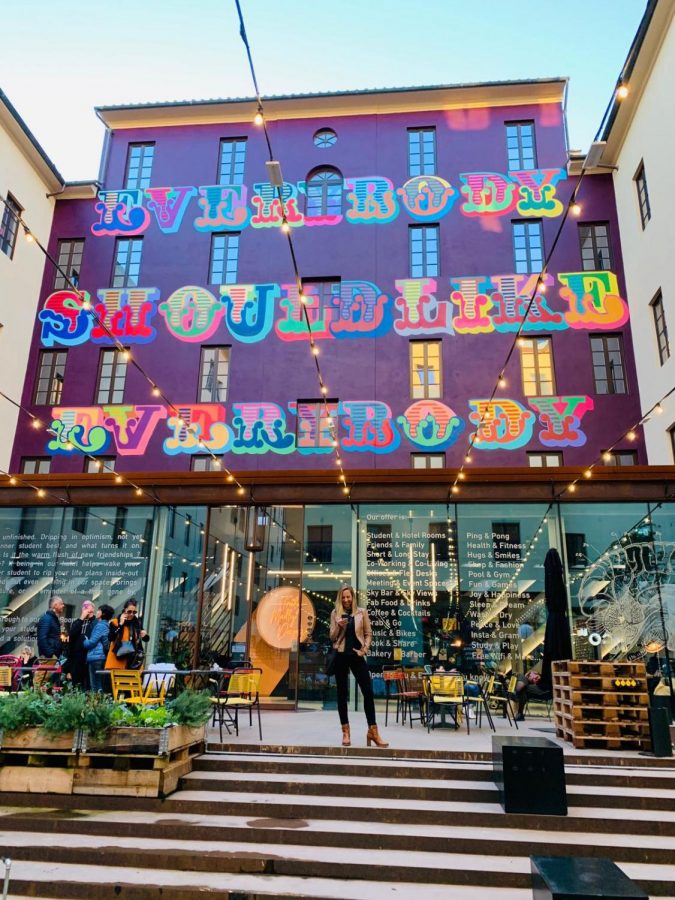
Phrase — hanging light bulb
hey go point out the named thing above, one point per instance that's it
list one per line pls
(588, 473)
(324, 389)
(461, 476)
(607, 456)
(285, 227)
(575, 208)
(12, 479)
(455, 489)
(28, 234)
(345, 490)
(36, 423)
(118, 479)
(41, 492)
(139, 491)
(315, 350)
(658, 409)
(632, 435)
(502, 381)
(468, 458)
(241, 490)
(230, 477)
(571, 488)
(622, 91)
(156, 391)
(258, 118)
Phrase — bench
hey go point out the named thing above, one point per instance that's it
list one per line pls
(530, 775)
(569, 877)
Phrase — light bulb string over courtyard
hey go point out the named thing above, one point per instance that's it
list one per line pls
(128, 357)
(274, 165)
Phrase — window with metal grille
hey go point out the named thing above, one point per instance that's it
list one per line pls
(205, 463)
(70, 262)
(608, 366)
(528, 245)
(139, 166)
(49, 387)
(421, 151)
(425, 370)
(112, 373)
(594, 245)
(619, 457)
(536, 366)
(544, 460)
(9, 225)
(520, 146)
(325, 138)
(105, 464)
(127, 266)
(661, 327)
(232, 160)
(423, 247)
(324, 192)
(319, 547)
(643, 195)
(214, 371)
(427, 460)
(224, 258)
(35, 465)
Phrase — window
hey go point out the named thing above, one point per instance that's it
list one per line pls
(544, 460)
(9, 225)
(35, 465)
(100, 464)
(619, 458)
(51, 370)
(80, 515)
(506, 545)
(324, 193)
(215, 369)
(520, 147)
(421, 151)
(325, 289)
(608, 368)
(139, 166)
(112, 373)
(439, 543)
(536, 366)
(120, 526)
(70, 261)
(319, 543)
(378, 544)
(205, 463)
(528, 246)
(423, 246)
(427, 460)
(575, 548)
(425, 370)
(671, 432)
(224, 258)
(232, 160)
(643, 195)
(594, 244)
(325, 138)
(127, 262)
(661, 328)
(186, 530)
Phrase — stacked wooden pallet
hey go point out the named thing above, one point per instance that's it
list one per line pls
(601, 705)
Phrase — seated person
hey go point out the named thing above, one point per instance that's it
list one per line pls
(528, 688)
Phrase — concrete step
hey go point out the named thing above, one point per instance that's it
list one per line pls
(227, 858)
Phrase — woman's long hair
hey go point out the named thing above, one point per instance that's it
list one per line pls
(339, 608)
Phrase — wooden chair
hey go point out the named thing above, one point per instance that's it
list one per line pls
(445, 691)
(413, 693)
(242, 692)
(127, 687)
(394, 685)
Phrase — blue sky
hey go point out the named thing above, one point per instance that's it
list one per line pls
(60, 59)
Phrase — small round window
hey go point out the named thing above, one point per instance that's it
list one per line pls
(325, 138)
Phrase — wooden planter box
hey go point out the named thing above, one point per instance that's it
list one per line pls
(130, 762)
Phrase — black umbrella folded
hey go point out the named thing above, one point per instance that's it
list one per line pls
(557, 640)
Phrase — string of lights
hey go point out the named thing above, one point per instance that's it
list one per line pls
(276, 180)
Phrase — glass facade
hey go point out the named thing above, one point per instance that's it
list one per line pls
(451, 585)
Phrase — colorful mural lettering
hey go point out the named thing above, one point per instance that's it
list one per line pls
(418, 307)
(371, 200)
(362, 426)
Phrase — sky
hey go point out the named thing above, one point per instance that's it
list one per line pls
(60, 58)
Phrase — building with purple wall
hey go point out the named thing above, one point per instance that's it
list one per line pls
(421, 220)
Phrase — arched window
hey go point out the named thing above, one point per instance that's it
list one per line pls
(324, 192)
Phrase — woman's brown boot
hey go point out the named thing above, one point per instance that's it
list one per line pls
(346, 737)
(374, 735)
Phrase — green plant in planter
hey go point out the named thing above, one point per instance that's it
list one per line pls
(97, 716)
(191, 708)
(25, 709)
(157, 717)
(65, 713)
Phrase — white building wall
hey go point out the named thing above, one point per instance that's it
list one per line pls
(20, 276)
(649, 254)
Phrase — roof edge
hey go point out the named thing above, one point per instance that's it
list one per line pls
(26, 134)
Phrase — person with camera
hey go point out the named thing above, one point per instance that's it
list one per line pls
(126, 639)
(351, 634)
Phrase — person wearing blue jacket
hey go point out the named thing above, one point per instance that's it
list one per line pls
(97, 644)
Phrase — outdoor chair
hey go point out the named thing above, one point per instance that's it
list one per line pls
(6, 678)
(476, 698)
(394, 685)
(445, 691)
(127, 687)
(242, 692)
(413, 693)
(499, 698)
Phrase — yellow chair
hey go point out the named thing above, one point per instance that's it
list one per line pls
(6, 676)
(503, 699)
(242, 692)
(445, 692)
(127, 687)
(477, 697)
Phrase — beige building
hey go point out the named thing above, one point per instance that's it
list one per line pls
(639, 132)
(27, 178)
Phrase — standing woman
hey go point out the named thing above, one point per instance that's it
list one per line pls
(126, 636)
(351, 635)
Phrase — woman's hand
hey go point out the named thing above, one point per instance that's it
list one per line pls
(143, 634)
(361, 652)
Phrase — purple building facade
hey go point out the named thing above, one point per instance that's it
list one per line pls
(421, 221)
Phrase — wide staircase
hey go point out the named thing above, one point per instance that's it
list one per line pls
(340, 825)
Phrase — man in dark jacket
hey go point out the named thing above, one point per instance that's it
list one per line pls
(49, 637)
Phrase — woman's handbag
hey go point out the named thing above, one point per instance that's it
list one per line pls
(331, 659)
(125, 649)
